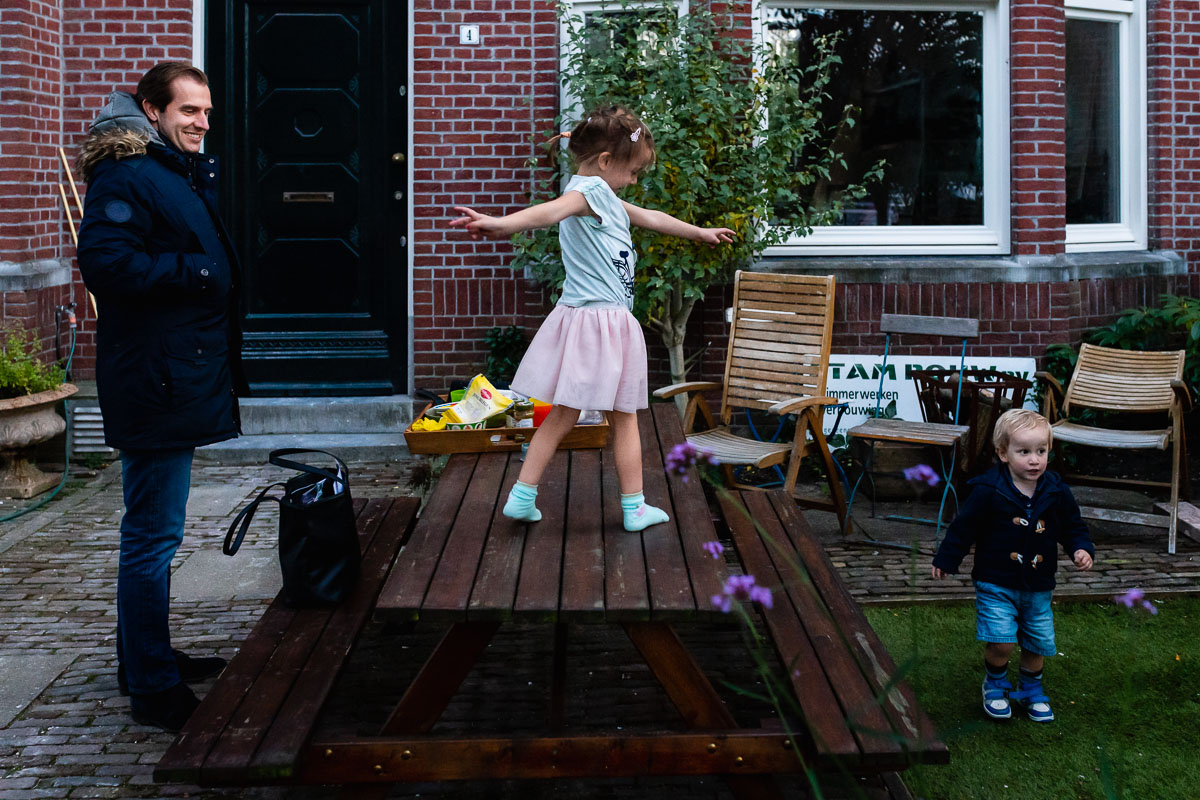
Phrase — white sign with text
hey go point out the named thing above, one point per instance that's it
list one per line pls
(855, 379)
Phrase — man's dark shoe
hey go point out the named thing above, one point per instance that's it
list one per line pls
(168, 709)
(192, 669)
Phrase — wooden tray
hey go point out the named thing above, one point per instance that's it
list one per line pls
(498, 440)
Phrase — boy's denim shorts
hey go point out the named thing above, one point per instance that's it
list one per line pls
(1009, 615)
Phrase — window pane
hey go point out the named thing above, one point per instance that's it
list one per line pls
(1093, 122)
(917, 77)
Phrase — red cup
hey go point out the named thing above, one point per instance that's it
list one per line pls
(539, 414)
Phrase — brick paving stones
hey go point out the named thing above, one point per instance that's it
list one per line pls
(76, 740)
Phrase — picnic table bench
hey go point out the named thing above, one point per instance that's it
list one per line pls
(468, 568)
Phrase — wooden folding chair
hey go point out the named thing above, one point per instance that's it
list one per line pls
(933, 434)
(778, 360)
(1134, 382)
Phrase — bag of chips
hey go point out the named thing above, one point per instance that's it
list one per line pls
(481, 401)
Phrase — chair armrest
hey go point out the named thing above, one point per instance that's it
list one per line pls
(795, 404)
(1182, 394)
(1052, 402)
(689, 386)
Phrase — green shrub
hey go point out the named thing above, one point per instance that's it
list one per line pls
(506, 346)
(21, 373)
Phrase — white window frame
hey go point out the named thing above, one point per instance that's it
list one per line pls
(992, 236)
(573, 20)
(1129, 233)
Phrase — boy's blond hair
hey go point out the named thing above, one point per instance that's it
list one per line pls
(1019, 419)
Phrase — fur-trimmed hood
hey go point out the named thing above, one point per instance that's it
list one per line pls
(121, 130)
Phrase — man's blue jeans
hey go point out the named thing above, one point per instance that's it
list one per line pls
(156, 484)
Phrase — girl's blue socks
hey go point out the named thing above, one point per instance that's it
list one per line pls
(520, 505)
(638, 515)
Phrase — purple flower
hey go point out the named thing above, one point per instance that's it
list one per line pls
(922, 473)
(1129, 598)
(714, 548)
(684, 456)
(742, 588)
(1136, 597)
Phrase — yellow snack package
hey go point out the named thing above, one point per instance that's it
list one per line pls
(481, 401)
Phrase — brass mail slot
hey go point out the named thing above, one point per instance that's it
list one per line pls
(308, 197)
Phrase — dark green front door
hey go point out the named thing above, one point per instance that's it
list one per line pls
(313, 124)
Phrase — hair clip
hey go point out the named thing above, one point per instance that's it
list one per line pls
(589, 121)
(633, 137)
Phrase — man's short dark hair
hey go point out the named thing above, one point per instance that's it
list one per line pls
(155, 85)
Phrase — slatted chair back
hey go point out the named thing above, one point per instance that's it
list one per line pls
(1124, 380)
(779, 341)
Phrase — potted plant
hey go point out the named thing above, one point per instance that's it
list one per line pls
(30, 391)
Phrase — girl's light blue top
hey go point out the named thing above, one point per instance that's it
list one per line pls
(597, 249)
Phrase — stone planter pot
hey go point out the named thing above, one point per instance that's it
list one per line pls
(26, 422)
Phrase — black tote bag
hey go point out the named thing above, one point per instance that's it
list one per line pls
(318, 542)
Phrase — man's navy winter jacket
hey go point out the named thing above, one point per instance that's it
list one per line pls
(153, 252)
(1016, 538)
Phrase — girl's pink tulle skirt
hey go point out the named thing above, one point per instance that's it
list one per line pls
(592, 357)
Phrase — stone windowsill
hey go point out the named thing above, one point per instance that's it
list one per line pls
(983, 269)
(25, 276)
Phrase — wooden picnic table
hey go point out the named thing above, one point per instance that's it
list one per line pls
(469, 568)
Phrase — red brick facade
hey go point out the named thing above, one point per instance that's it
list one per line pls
(477, 113)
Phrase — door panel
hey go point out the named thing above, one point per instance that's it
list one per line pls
(310, 130)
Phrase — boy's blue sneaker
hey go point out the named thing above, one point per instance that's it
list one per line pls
(995, 698)
(1034, 700)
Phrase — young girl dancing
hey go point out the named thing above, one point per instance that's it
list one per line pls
(590, 352)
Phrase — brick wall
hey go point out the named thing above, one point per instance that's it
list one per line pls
(1173, 128)
(32, 227)
(1038, 143)
(477, 111)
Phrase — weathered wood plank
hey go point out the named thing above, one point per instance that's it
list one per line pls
(281, 745)
(450, 590)
(666, 566)
(817, 700)
(1127, 517)
(540, 584)
(495, 588)
(909, 720)
(753, 752)
(694, 521)
(626, 592)
(958, 327)
(406, 586)
(583, 547)
(859, 711)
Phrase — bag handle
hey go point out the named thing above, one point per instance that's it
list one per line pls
(276, 458)
(232, 541)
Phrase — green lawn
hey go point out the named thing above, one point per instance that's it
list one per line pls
(1125, 689)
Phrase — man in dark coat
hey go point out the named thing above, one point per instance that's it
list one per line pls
(154, 253)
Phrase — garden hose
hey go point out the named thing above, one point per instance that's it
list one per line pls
(66, 437)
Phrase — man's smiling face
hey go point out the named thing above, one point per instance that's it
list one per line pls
(184, 121)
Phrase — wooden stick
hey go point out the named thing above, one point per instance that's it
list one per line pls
(70, 220)
(71, 178)
(74, 236)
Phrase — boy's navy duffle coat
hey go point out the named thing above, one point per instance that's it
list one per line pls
(153, 252)
(1016, 538)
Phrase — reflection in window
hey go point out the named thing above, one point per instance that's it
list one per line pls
(1093, 122)
(917, 77)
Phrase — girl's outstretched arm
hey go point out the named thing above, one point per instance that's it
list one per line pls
(662, 222)
(540, 216)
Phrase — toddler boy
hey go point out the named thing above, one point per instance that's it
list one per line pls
(1015, 514)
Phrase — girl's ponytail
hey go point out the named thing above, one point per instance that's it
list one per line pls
(552, 146)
